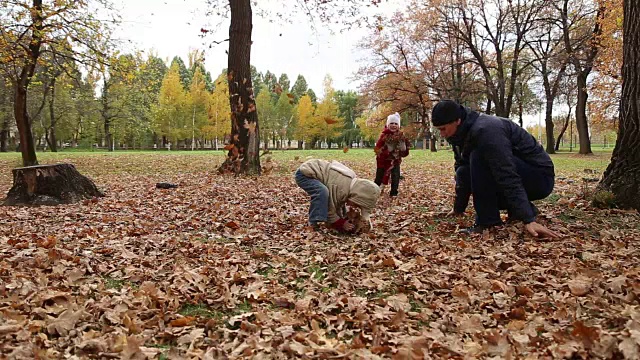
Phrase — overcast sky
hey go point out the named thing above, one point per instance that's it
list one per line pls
(172, 27)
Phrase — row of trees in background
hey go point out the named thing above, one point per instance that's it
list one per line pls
(139, 101)
(509, 58)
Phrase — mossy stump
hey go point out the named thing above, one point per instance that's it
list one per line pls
(49, 185)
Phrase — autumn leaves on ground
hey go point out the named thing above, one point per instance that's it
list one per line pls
(225, 267)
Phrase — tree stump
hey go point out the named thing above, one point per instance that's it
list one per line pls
(50, 185)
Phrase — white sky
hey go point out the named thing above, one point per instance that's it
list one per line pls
(172, 27)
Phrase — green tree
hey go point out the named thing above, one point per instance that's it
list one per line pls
(299, 88)
(313, 96)
(283, 113)
(266, 113)
(31, 28)
(348, 110)
(284, 82)
(185, 75)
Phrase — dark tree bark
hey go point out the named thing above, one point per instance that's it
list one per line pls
(27, 144)
(4, 134)
(51, 130)
(582, 124)
(622, 176)
(565, 125)
(244, 147)
(50, 185)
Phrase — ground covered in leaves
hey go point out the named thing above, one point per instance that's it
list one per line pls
(224, 267)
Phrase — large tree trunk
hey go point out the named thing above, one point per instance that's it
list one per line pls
(582, 124)
(243, 156)
(50, 185)
(622, 176)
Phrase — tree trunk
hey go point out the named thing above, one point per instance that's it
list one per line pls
(51, 132)
(244, 156)
(564, 128)
(106, 116)
(581, 112)
(4, 134)
(27, 144)
(622, 176)
(548, 120)
(50, 185)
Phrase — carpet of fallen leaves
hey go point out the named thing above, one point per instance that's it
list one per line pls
(224, 267)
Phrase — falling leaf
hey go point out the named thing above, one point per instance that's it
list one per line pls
(345, 149)
(290, 95)
(330, 121)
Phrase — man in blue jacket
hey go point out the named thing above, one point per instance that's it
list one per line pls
(497, 161)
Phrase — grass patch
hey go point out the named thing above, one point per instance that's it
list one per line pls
(199, 310)
(265, 271)
(553, 198)
(113, 283)
(317, 272)
(243, 307)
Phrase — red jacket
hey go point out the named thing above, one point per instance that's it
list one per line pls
(389, 152)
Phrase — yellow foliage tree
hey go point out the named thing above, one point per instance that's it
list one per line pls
(372, 122)
(326, 114)
(170, 118)
(219, 115)
(308, 128)
(198, 103)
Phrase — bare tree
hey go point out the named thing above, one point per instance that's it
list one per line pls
(580, 24)
(546, 45)
(495, 31)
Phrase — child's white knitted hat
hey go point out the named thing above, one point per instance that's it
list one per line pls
(393, 118)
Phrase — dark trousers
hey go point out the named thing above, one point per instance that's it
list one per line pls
(395, 179)
(488, 199)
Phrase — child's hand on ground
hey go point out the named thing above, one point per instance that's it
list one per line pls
(348, 226)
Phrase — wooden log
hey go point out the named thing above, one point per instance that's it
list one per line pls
(50, 185)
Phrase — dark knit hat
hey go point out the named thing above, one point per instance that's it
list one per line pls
(446, 111)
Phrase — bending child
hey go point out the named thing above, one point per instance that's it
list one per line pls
(332, 185)
(390, 148)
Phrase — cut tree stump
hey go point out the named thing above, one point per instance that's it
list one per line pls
(50, 185)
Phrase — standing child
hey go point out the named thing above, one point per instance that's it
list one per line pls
(391, 147)
(331, 186)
